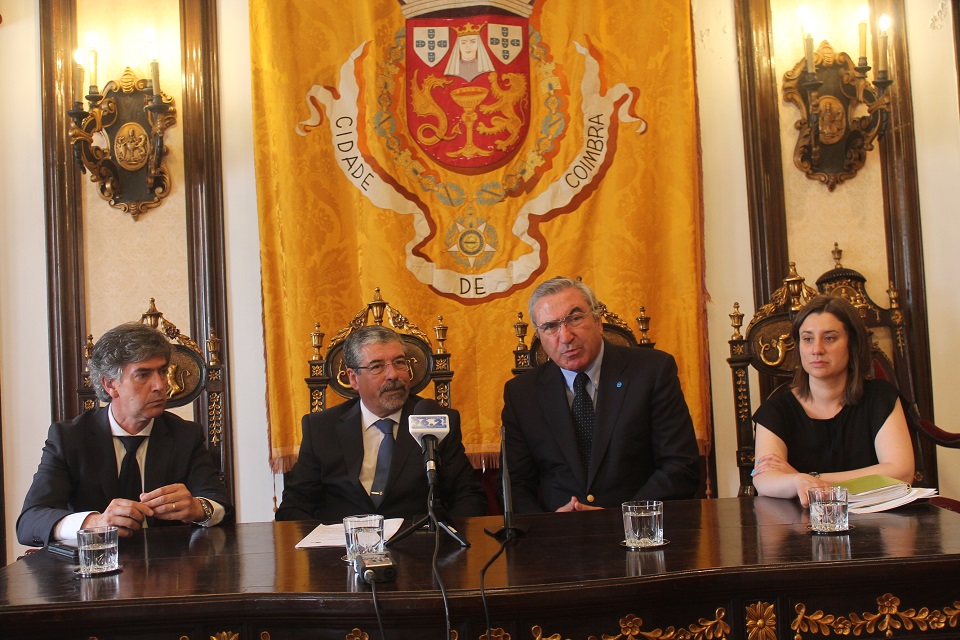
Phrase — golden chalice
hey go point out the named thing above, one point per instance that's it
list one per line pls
(469, 98)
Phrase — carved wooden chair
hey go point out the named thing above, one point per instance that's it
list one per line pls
(427, 364)
(766, 345)
(190, 376)
(615, 330)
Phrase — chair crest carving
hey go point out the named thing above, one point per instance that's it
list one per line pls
(427, 364)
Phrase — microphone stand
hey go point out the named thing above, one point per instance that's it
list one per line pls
(509, 529)
(430, 519)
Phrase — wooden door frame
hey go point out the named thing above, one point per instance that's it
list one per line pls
(759, 93)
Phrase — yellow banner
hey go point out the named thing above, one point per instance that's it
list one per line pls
(455, 153)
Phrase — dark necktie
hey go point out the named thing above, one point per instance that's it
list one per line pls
(130, 483)
(384, 455)
(583, 417)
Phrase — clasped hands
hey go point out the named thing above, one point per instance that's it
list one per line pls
(801, 481)
(576, 505)
(171, 502)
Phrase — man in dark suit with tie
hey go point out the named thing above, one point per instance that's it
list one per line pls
(598, 424)
(126, 462)
(359, 457)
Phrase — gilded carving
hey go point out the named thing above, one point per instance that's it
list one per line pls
(631, 627)
(316, 370)
(495, 634)
(737, 350)
(316, 401)
(215, 413)
(761, 622)
(782, 345)
(743, 404)
(523, 360)
(88, 404)
(888, 619)
(441, 364)
(225, 635)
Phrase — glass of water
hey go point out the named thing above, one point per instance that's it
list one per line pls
(364, 534)
(98, 551)
(828, 509)
(643, 523)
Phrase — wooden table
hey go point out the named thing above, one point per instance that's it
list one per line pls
(735, 567)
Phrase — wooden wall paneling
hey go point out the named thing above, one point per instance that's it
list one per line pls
(63, 209)
(204, 204)
(759, 94)
(901, 199)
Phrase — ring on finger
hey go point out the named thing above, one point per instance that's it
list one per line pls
(174, 506)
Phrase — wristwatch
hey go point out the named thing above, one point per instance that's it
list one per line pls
(207, 511)
(814, 474)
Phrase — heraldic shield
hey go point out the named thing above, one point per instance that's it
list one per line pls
(468, 88)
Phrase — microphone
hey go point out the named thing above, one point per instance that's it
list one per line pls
(429, 426)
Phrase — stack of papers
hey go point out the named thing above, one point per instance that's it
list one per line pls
(874, 493)
(332, 535)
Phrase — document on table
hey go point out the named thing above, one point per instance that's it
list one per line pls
(331, 535)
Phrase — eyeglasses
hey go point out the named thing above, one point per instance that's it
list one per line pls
(398, 364)
(572, 321)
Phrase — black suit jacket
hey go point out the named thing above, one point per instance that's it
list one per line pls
(324, 484)
(644, 445)
(78, 470)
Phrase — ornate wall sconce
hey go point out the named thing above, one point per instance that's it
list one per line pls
(119, 139)
(829, 89)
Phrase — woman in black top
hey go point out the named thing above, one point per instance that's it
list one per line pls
(831, 423)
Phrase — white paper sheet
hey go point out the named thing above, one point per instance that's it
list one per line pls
(331, 535)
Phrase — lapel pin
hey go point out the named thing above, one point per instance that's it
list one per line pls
(619, 384)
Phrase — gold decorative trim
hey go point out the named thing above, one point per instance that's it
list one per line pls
(761, 621)
(631, 627)
(743, 400)
(225, 635)
(887, 619)
(215, 413)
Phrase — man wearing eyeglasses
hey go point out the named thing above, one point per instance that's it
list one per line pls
(599, 424)
(359, 457)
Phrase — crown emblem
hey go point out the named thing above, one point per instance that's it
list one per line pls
(415, 8)
(469, 29)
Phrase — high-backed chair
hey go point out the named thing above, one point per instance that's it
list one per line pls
(766, 345)
(189, 376)
(426, 363)
(615, 330)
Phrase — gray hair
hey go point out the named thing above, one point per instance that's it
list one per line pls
(556, 285)
(120, 346)
(372, 334)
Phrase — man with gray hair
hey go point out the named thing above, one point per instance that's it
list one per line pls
(128, 464)
(359, 457)
(598, 424)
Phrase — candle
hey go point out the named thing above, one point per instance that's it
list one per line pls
(93, 67)
(155, 76)
(79, 83)
(808, 51)
(884, 25)
(864, 16)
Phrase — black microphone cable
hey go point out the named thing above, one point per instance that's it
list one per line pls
(483, 573)
(436, 554)
(368, 578)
